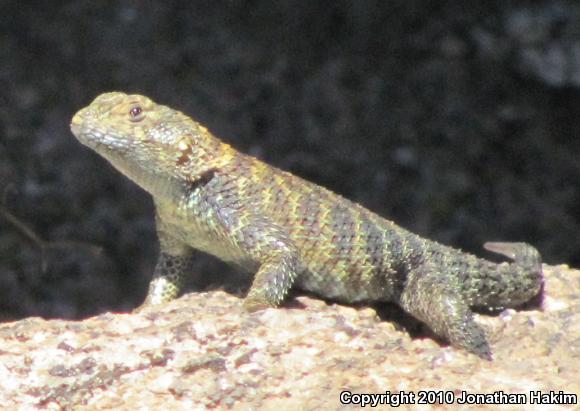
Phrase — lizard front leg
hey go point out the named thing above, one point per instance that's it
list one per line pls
(278, 261)
(272, 281)
(173, 264)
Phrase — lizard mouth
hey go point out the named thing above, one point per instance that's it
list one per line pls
(83, 129)
(76, 124)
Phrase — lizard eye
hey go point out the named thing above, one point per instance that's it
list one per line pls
(136, 113)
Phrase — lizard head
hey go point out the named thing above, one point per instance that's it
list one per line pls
(148, 141)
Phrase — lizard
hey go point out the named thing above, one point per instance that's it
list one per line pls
(290, 232)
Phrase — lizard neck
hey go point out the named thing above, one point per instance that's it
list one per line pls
(170, 181)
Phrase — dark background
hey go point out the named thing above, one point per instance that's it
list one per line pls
(458, 122)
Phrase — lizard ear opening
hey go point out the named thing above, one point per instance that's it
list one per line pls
(136, 113)
(185, 150)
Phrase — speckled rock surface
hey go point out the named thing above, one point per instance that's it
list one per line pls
(203, 352)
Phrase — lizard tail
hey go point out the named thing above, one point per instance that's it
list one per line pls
(523, 279)
(523, 254)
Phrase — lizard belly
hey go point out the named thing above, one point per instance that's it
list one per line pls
(341, 280)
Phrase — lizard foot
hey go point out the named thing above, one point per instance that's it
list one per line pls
(253, 304)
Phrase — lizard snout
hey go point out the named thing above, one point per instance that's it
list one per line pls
(76, 123)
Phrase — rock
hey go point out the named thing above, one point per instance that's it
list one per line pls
(203, 351)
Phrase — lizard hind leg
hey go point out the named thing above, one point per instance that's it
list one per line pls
(435, 300)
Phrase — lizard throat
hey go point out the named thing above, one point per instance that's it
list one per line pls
(159, 185)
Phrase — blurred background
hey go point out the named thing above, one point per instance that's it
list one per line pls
(459, 123)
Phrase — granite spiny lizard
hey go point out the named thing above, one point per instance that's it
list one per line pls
(291, 232)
